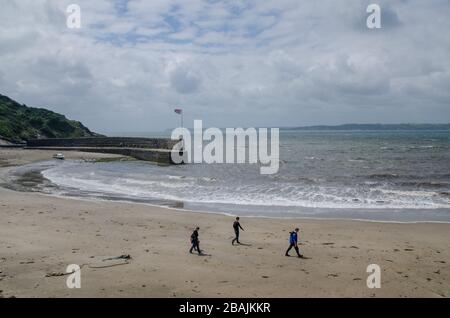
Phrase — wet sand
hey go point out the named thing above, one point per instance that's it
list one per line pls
(41, 235)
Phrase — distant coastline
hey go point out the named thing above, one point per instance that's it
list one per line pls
(343, 127)
(373, 127)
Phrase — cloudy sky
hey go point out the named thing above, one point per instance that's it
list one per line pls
(231, 63)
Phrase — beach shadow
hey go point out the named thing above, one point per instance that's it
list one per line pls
(243, 244)
(303, 257)
(201, 253)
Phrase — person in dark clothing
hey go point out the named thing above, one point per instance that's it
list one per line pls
(236, 227)
(293, 238)
(195, 242)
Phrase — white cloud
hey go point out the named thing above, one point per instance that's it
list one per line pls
(284, 62)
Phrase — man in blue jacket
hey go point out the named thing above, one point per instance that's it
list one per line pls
(293, 238)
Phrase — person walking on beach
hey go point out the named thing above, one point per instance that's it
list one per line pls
(195, 241)
(236, 227)
(293, 238)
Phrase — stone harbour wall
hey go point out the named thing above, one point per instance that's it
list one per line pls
(149, 149)
(125, 142)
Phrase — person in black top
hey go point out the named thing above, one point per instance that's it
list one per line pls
(236, 227)
(195, 242)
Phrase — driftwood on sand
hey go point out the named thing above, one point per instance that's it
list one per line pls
(102, 263)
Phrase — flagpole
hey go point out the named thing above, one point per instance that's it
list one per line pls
(182, 147)
(179, 111)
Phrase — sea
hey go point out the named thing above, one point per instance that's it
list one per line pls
(389, 176)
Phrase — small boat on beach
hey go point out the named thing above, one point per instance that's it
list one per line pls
(59, 156)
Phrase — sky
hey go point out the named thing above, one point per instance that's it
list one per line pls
(231, 63)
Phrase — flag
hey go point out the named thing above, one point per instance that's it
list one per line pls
(178, 110)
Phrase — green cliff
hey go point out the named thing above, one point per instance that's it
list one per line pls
(19, 123)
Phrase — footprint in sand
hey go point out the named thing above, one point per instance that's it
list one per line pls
(332, 275)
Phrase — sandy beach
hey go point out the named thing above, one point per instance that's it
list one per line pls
(41, 235)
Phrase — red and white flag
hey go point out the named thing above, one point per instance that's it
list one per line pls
(178, 110)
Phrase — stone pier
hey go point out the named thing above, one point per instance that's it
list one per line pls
(149, 149)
